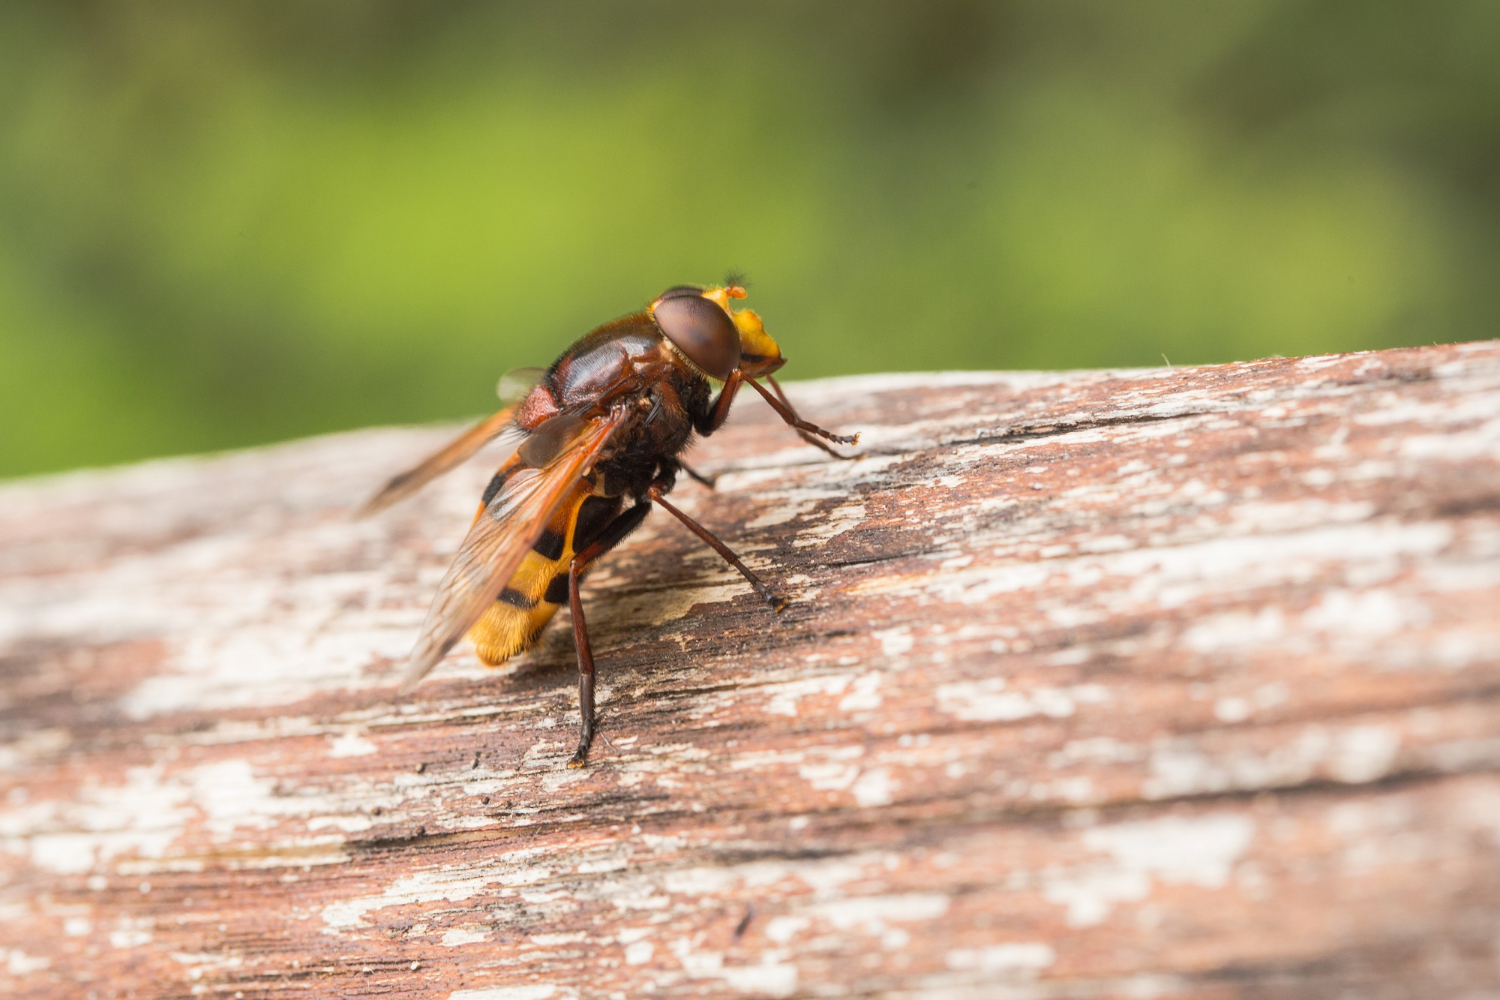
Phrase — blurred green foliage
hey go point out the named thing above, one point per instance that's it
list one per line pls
(225, 223)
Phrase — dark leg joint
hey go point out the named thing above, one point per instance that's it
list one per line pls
(586, 708)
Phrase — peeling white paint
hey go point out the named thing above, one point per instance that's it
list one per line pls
(1232, 710)
(1364, 753)
(553, 940)
(1017, 960)
(467, 934)
(350, 744)
(790, 508)
(874, 787)
(451, 884)
(989, 700)
(872, 914)
(835, 522)
(132, 932)
(1235, 631)
(539, 991)
(670, 605)
(894, 641)
(198, 962)
(829, 776)
(241, 641)
(1093, 751)
(770, 978)
(141, 818)
(1198, 851)
(783, 929)
(1369, 614)
(1353, 754)
(786, 695)
(865, 694)
(979, 584)
(18, 963)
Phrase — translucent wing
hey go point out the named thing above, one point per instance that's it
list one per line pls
(451, 455)
(516, 383)
(500, 538)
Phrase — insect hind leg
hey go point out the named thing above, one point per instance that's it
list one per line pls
(608, 538)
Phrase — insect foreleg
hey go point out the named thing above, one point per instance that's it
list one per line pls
(805, 428)
(807, 436)
(720, 410)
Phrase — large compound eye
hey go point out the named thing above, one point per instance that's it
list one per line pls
(702, 331)
(679, 291)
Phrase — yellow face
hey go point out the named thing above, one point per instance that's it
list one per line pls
(759, 354)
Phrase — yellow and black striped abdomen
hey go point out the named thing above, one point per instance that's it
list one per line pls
(540, 586)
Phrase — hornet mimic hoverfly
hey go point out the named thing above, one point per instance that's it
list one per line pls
(604, 424)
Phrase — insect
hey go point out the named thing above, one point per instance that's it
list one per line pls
(604, 425)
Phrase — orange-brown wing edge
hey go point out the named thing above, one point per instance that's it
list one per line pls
(450, 456)
(499, 539)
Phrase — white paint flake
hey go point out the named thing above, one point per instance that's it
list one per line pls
(141, 818)
(864, 696)
(786, 695)
(894, 641)
(131, 932)
(350, 744)
(874, 788)
(539, 991)
(1351, 754)
(450, 884)
(989, 700)
(467, 934)
(1198, 851)
(832, 524)
(873, 914)
(1011, 960)
(1364, 753)
(18, 963)
(770, 978)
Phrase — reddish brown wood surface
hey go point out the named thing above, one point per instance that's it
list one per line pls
(1179, 683)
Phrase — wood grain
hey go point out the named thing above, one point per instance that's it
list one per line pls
(1176, 683)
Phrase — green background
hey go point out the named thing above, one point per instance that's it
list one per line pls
(227, 223)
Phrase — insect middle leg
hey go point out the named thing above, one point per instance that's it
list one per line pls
(701, 478)
(777, 603)
(616, 530)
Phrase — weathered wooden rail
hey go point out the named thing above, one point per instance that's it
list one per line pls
(1178, 683)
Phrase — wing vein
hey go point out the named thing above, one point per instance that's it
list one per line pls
(499, 539)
